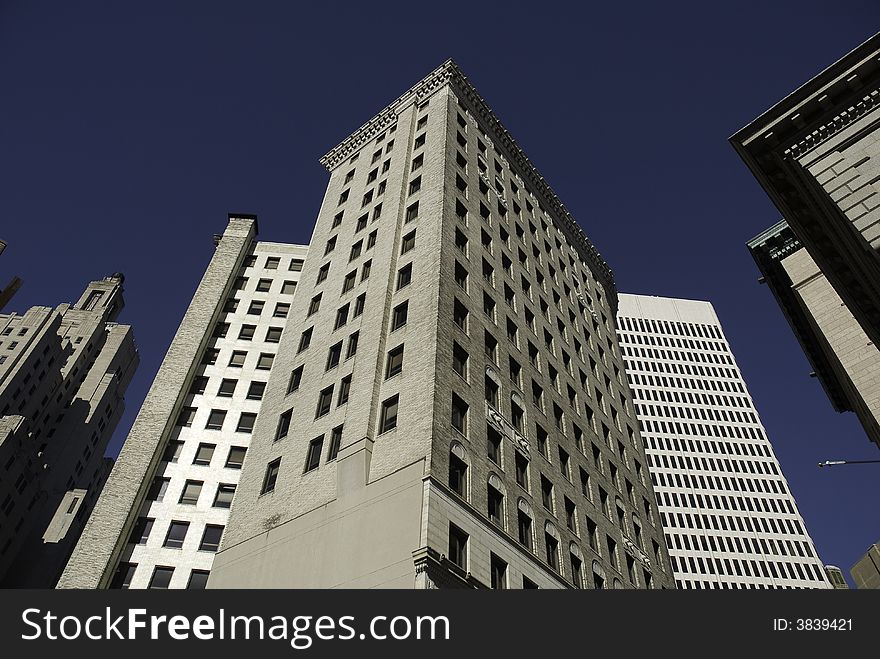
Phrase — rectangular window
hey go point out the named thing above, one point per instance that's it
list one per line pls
(359, 303)
(237, 359)
(335, 443)
(215, 420)
(322, 273)
(460, 314)
(246, 422)
(388, 418)
(191, 492)
(186, 417)
(265, 361)
(394, 362)
(399, 315)
(281, 310)
(288, 288)
(172, 451)
(493, 445)
(295, 379)
(141, 531)
(211, 538)
(271, 476)
(408, 243)
(227, 388)
(273, 334)
(459, 360)
(547, 493)
(341, 317)
(123, 576)
(352, 345)
(256, 307)
(333, 356)
(272, 262)
(158, 488)
(283, 425)
(255, 390)
(349, 282)
(404, 276)
(198, 580)
(236, 457)
(264, 285)
(458, 541)
(313, 455)
(522, 471)
(365, 270)
(570, 515)
(210, 356)
(176, 535)
(161, 578)
(314, 305)
(412, 212)
(204, 454)
(199, 384)
(325, 399)
(305, 339)
(344, 390)
(459, 414)
(498, 572)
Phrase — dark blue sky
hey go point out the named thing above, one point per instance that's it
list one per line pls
(126, 135)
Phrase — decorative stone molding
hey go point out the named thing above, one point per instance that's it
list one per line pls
(449, 73)
(837, 123)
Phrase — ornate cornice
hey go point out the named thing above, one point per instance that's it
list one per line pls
(836, 124)
(449, 73)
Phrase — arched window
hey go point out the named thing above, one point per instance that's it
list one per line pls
(458, 469)
(576, 562)
(524, 516)
(551, 546)
(495, 492)
(599, 581)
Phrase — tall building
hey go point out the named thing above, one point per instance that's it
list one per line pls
(842, 356)
(166, 503)
(63, 375)
(816, 155)
(836, 578)
(728, 514)
(866, 571)
(448, 407)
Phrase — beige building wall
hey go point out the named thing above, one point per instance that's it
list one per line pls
(430, 172)
(856, 356)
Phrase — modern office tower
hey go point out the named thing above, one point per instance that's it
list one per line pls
(836, 578)
(451, 410)
(817, 154)
(842, 356)
(63, 375)
(866, 572)
(161, 516)
(729, 517)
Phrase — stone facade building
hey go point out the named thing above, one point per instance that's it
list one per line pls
(160, 519)
(866, 571)
(448, 407)
(63, 375)
(817, 154)
(727, 511)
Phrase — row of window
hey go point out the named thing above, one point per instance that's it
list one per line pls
(175, 535)
(160, 578)
(238, 358)
(746, 568)
(273, 262)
